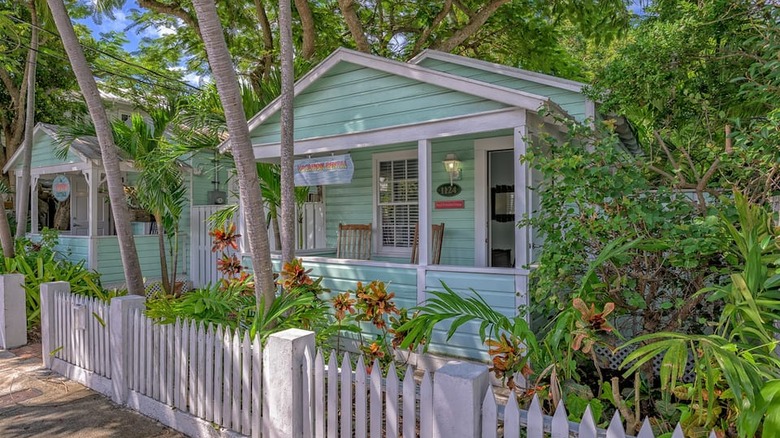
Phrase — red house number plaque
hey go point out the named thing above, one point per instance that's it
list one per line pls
(442, 205)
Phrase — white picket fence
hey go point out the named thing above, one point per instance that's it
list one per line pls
(211, 381)
(81, 332)
(207, 372)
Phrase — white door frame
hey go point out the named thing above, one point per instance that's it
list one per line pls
(481, 219)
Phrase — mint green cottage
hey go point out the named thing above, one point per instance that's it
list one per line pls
(83, 214)
(399, 123)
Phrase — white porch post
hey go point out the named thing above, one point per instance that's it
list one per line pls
(16, 196)
(521, 195)
(522, 207)
(92, 175)
(33, 204)
(424, 206)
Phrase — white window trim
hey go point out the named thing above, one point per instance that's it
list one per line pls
(378, 249)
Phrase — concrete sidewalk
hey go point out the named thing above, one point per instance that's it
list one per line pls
(34, 402)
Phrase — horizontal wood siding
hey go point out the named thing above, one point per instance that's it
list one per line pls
(109, 263)
(73, 249)
(341, 277)
(351, 99)
(353, 203)
(458, 243)
(43, 154)
(498, 290)
(572, 102)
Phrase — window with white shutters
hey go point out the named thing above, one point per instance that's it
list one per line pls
(397, 201)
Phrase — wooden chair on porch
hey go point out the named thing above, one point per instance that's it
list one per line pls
(437, 234)
(354, 241)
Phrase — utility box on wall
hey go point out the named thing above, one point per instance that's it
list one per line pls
(217, 197)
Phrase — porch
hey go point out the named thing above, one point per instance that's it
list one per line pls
(403, 147)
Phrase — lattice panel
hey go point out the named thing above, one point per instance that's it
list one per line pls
(613, 361)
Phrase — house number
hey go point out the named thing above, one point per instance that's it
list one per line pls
(448, 190)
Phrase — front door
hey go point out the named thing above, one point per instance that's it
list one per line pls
(501, 208)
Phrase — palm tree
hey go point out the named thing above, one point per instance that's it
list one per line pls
(230, 96)
(159, 188)
(287, 134)
(29, 124)
(108, 150)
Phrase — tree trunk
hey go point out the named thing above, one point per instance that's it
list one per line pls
(241, 147)
(23, 191)
(287, 127)
(5, 230)
(108, 150)
(307, 25)
(163, 260)
(353, 23)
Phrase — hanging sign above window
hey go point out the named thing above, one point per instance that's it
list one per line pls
(337, 169)
(448, 190)
(60, 188)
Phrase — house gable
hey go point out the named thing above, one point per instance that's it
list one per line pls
(352, 92)
(352, 99)
(44, 153)
(567, 94)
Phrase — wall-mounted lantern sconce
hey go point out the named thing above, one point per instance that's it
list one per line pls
(452, 167)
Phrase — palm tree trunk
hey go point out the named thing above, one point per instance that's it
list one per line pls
(287, 127)
(108, 150)
(6, 238)
(163, 260)
(241, 146)
(23, 191)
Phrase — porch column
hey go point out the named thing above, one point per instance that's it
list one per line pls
(92, 175)
(522, 207)
(33, 204)
(93, 181)
(521, 195)
(424, 211)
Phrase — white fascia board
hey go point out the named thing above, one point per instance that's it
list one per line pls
(61, 168)
(539, 78)
(492, 92)
(461, 125)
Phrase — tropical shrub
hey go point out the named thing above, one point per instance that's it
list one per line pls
(736, 359)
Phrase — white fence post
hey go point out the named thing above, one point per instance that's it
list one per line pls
(48, 330)
(458, 390)
(119, 312)
(283, 399)
(13, 311)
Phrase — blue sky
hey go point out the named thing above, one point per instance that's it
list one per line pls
(120, 23)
